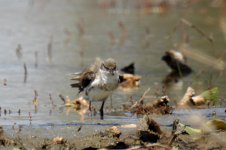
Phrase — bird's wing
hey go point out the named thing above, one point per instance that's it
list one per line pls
(83, 80)
(87, 76)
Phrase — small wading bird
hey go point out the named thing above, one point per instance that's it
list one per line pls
(177, 62)
(98, 81)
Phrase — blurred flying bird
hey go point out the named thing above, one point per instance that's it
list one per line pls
(176, 61)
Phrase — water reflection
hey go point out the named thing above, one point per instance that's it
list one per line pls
(174, 80)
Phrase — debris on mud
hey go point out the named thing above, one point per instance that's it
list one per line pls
(148, 130)
(190, 99)
(129, 81)
(4, 140)
(147, 134)
(159, 106)
(185, 101)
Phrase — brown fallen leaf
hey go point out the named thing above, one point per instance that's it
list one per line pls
(159, 106)
(217, 124)
(148, 130)
(185, 102)
(130, 81)
(190, 99)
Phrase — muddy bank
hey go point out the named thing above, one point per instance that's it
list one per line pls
(146, 134)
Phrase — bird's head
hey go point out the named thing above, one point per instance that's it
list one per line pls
(109, 66)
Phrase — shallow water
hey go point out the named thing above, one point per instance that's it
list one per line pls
(35, 24)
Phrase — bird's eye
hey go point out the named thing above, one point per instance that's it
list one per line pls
(104, 67)
(114, 68)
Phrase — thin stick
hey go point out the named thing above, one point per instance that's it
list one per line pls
(30, 117)
(111, 105)
(25, 73)
(35, 101)
(51, 100)
(143, 96)
(49, 50)
(62, 98)
(124, 33)
(5, 82)
(19, 51)
(189, 24)
(202, 57)
(175, 132)
(36, 94)
(80, 27)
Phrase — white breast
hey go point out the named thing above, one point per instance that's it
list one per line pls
(110, 81)
(97, 94)
(102, 86)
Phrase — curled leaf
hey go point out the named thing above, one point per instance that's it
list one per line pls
(190, 130)
(218, 124)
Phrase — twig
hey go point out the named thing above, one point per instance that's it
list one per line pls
(19, 112)
(124, 33)
(80, 27)
(49, 50)
(19, 51)
(62, 98)
(25, 73)
(51, 100)
(35, 101)
(30, 117)
(5, 82)
(176, 131)
(36, 94)
(79, 129)
(173, 31)
(141, 101)
(189, 24)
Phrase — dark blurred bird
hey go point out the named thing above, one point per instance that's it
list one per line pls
(176, 61)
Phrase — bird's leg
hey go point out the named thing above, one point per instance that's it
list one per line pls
(102, 110)
(90, 109)
(111, 106)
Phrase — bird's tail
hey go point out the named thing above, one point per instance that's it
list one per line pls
(74, 76)
(75, 85)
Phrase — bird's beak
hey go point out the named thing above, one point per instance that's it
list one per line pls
(112, 72)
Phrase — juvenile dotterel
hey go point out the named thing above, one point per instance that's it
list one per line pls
(98, 82)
